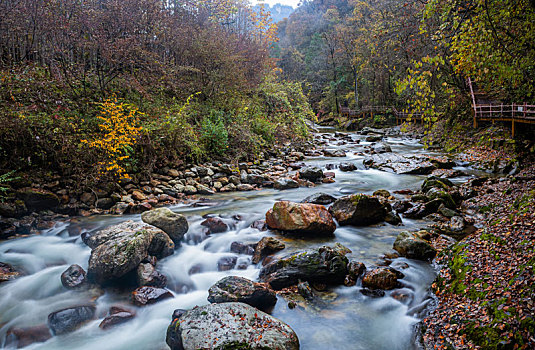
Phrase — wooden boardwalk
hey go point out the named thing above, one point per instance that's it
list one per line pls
(370, 110)
(496, 111)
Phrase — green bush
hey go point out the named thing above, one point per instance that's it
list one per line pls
(213, 133)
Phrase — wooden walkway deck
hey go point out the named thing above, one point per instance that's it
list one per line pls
(496, 111)
(370, 110)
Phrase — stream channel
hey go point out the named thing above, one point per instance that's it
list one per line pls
(346, 320)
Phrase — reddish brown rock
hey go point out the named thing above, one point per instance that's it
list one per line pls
(302, 218)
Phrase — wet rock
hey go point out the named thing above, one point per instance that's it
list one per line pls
(119, 249)
(239, 289)
(16, 209)
(436, 182)
(74, 277)
(381, 148)
(117, 315)
(285, 184)
(174, 224)
(374, 138)
(399, 164)
(147, 275)
(301, 218)
(435, 193)
(229, 326)
(411, 245)
(260, 225)
(7, 272)
(358, 209)
(241, 248)
(22, 337)
(393, 219)
(70, 319)
(334, 153)
(37, 199)
(354, 271)
(347, 167)
(402, 206)
(443, 210)
(384, 278)
(267, 246)
(150, 295)
(323, 265)
(226, 263)
(319, 198)
(382, 193)
(373, 293)
(245, 187)
(215, 225)
(304, 289)
(313, 174)
(105, 203)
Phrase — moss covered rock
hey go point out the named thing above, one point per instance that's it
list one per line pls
(411, 245)
(239, 289)
(358, 209)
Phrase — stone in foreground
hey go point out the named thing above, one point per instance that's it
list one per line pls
(302, 218)
(70, 319)
(229, 326)
(358, 209)
(239, 289)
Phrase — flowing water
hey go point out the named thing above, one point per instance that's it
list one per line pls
(348, 320)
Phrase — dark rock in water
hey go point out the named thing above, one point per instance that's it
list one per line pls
(229, 326)
(381, 148)
(435, 193)
(37, 199)
(402, 206)
(436, 182)
(334, 153)
(399, 164)
(70, 319)
(319, 198)
(148, 276)
(393, 219)
(381, 278)
(323, 265)
(73, 277)
(226, 263)
(347, 167)
(241, 248)
(313, 174)
(382, 193)
(260, 225)
(354, 271)
(285, 184)
(304, 289)
(7, 272)
(358, 209)
(174, 224)
(374, 138)
(373, 293)
(266, 246)
(302, 218)
(411, 245)
(215, 225)
(150, 295)
(239, 289)
(117, 315)
(22, 337)
(118, 250)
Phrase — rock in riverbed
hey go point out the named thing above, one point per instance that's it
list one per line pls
(229, 326)
(358, 209)
(239, 289)
(70, 319)
(410, 245)
(73, 277)
(301, 218)
(174, 224)
(324, 265)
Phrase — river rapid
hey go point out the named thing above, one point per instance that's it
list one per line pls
(346, 319)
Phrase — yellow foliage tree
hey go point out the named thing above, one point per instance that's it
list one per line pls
(118, 122)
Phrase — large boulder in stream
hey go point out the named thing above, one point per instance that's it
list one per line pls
(324, 265)
(239, 289)
(301, 218)
(399, 164)
(74, 277)
(358, 209)
(119, 249)
(411, 245)
(37, 199)
(385, 278)
(319, 198)
(174, 224)
(313, 174)
(229, 326)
